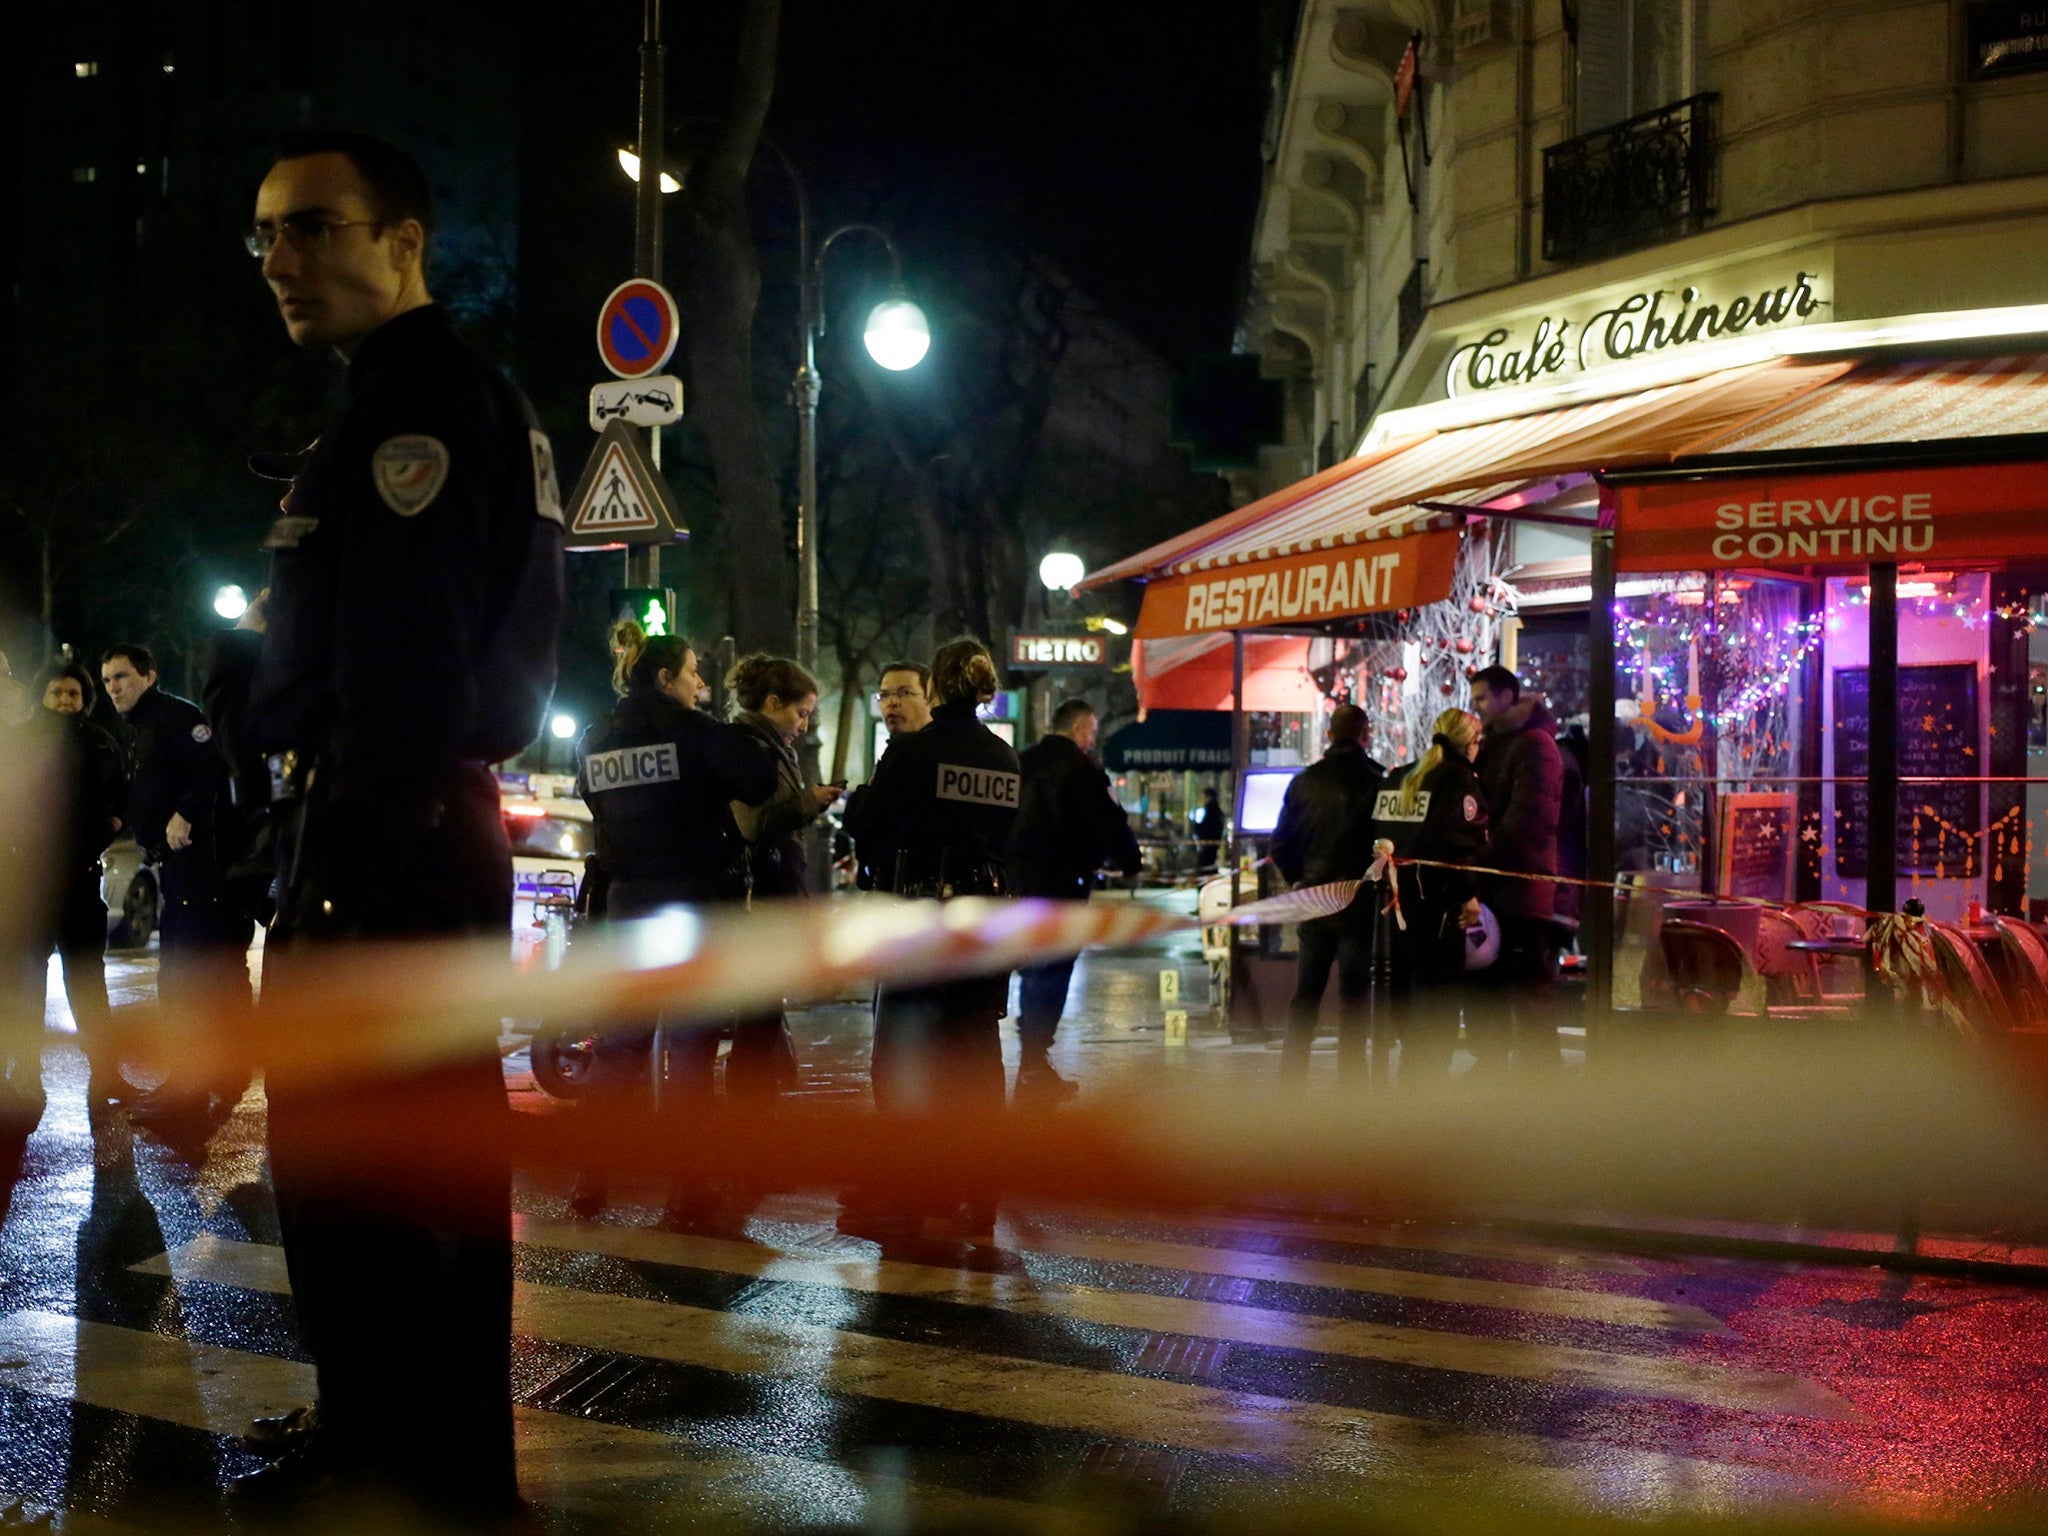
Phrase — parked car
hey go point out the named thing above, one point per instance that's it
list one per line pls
(551, 834)
(134, 901)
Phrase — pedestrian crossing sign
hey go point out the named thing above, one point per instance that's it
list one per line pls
(620, 498)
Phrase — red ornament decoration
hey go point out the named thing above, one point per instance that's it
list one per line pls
(1464, 646)
(1478, 603)
(1399, 674)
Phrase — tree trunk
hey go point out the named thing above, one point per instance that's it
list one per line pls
(720, 289)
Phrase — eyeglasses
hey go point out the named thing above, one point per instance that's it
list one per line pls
(898, 695)
(304, 231)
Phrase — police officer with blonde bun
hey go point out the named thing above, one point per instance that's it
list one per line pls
(935, 822)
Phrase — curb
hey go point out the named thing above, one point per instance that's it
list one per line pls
(1655, 1241)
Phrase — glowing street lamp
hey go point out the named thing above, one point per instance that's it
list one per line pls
(562, 727)
(897, 335)
(1060, 570)
(630, 164)
(230, 602)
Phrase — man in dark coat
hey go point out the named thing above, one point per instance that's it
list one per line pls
(1325, 834)
(1523, 771)
(1068, 826)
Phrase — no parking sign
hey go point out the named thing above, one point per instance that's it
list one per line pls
(637, 328)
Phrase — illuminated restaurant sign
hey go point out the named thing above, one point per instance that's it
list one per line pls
(1303, 589)
(1620, 328)
(1954, 512)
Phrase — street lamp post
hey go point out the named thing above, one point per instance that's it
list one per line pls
(897, 337)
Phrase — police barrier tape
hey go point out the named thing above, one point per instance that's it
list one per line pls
(367, 1006)
(1688, 1120)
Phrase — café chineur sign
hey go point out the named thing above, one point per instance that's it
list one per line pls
(1619, 327)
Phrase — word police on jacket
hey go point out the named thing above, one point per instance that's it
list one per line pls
(980, 786)
(623, 767)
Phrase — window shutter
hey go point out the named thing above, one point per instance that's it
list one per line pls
(1603, 63)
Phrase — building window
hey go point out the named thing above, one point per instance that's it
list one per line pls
(85, 173)
(85, 69)
(1633, 56)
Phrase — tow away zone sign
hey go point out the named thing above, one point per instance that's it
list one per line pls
(620, 499)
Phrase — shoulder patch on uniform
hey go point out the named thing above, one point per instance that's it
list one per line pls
(202, 733)
(547, 491)
(409, 472)
(1471, 808)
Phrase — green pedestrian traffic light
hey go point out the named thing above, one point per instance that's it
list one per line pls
(649, 607)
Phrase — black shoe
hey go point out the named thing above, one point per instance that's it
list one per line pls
(587, 1198)
(285, 1431)
(299, 1477)
(1038, 1084)
(691, 1210)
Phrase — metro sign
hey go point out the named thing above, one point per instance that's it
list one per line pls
(1058, 651)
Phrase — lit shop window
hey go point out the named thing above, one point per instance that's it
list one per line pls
(170, 68)
(86, 68)
(85, 173)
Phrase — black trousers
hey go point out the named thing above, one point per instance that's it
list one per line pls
(400, 1251)
(1344, 941)
(1514, 1003)
(1426, 984)
(940, 1047)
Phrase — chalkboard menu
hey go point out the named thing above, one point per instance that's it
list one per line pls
(1939, 737)
(1757, 840)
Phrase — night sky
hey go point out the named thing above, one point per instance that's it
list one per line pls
(1119, 139)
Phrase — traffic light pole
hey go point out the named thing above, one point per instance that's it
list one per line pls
(643, 561)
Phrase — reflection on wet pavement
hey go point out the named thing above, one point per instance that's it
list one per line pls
(787, 1374)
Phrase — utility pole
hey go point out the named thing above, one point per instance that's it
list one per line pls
(643, 561)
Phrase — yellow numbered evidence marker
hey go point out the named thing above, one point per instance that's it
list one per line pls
(1169, 986)
(1176, 1026)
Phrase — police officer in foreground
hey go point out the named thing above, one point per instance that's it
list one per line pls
(660, 777)
(415, 597)
(935, 822)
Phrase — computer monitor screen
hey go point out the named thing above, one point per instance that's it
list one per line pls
(1259, 797)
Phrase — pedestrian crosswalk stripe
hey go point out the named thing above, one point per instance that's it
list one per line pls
(1311, 1436)
(1553, 1365)
(1356, 1234)
(575, 1464)
(1454, 1290)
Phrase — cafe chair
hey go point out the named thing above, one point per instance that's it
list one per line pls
(1968, 994)
(1840, 976)
(1792, 977)
(2026, 954)
(1705, 965)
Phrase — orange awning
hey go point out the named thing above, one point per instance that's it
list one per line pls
(1803, 516)
(1353, 540)
(1195, 673)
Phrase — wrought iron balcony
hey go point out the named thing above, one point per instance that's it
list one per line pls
(1644, 180)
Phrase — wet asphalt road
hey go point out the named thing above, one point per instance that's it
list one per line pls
(784, 1372)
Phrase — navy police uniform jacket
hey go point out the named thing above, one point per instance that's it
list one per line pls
(416, 589)
(1069, 824)
(173, 767)
(1325, 828)
(660, 781)
(1448, 823)
(937, 816)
